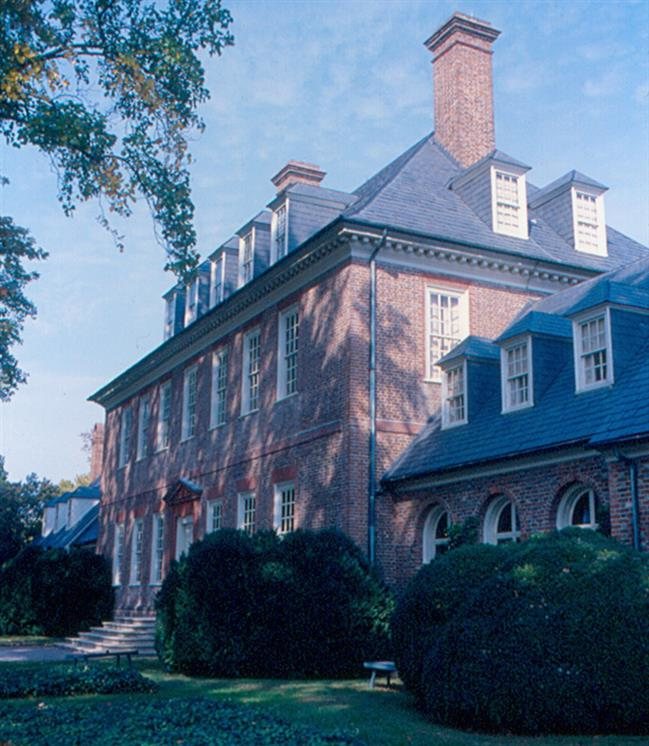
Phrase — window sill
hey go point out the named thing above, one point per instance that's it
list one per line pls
(288, 396)
(245, 414)
(512, 410)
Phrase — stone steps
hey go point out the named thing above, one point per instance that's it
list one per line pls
(122, 633)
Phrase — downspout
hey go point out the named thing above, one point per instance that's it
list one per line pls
(371, 504)
(635, 501)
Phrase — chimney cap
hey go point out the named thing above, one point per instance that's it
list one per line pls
(462, 22)
(297, 172)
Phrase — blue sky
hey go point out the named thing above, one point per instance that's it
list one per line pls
(346, 85)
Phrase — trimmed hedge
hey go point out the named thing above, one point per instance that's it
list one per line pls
(548, 636)
(53, 592)
(64, 681)
(304, 605)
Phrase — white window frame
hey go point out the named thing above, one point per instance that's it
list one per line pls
(455, 399)
(163, 430)
(509, 377)
(288, 332)
(284, 504)
(126, 425)
(279, 244)
(566, 509)
(192, 297)
(505, 204)
(219, 392)
(214, 516)
(447, 339)
(491, 534)
(581, 356)
(157, 549)
(118, 553)
(247, 262)
(581, 221)
(190, 403)
(246, 512)
(137, 546)
(432, 544)
(217, 280)
(143, 426)
(251, 372)
(170, 316)
(184, 528)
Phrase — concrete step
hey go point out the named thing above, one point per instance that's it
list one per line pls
(123, 633)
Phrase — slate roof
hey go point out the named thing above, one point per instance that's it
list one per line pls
(559, 418)
(84, 531)
(472, 348)
(412, 194)
(572, 177)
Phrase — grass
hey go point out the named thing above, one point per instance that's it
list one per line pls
(19, 640)
(378, 717)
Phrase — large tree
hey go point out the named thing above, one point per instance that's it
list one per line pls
(108, 90)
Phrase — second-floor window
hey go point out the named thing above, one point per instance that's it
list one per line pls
(164, 417)
(287, 353)
(189, 403)
(593, 352)
(516, 376)
(218, 408)
(247, 254)
(125, 436)
(447, 324)
(251, 369)
(454, 396)
(143, 416)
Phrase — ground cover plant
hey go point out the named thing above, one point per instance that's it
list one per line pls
(304, 605)
(548, 636)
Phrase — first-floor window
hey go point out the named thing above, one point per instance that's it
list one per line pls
(501, 524)
(578, 508)
(157, 549)
(184, 535)
(284, 508)
(118, 554)
(137, 539)
(247, 508)
(435, 533)
(214, 516)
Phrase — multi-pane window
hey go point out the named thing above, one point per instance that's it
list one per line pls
(217, 271)
(157, 549)
(218, 408)
(247, 508)
(501, 522)
(284, 508)
(189, 403)
(247, 257)
(251, 369)
(164, 416)
(170, 316)
(287, 353)
(143, 417)
(214, 516)
(587, 238)
(516, 377)
(447, 324)
(118, 553)
(125, 436)
(280, 232)
(578, 508)
(593, 359)
(435, 538)
(191, 301)
(507, 202)
(184, 535)
(454, 403)
(137, 540)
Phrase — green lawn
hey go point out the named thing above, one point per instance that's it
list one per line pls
(377, 717)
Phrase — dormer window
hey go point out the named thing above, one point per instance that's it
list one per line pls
(454, 409)
(509, 203)
(170, 317)
(589, 226)
(247, 256)
(516, 370)
(279, 232)
(191, 301)
(217, 273)
(593, 358)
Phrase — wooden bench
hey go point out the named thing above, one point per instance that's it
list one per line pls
(116, 654)
(383, 668)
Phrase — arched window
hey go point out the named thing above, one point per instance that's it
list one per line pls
(435, 533)
(578, 508)
(501, 522)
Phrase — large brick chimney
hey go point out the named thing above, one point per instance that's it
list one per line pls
(464, 117)
(96, 451)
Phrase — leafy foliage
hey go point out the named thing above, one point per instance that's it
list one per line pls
(65, 681)
(54, 592)
(164, 722)
(305, 605)
(21, 506)
(554, 638)
(108, 91)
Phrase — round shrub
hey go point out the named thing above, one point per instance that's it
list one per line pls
(556, 640)
(304, 605)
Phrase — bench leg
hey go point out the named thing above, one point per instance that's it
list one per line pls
(387, 676)
(372, 679)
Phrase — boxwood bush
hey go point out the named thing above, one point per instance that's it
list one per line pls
(554, 638)
(54, 592)
(304, 605)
